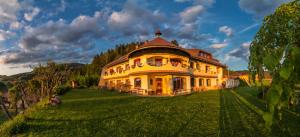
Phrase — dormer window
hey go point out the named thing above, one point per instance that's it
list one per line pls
(200, 53)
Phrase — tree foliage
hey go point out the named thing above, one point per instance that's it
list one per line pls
(276, 48)
(100, 60)
(50, 76)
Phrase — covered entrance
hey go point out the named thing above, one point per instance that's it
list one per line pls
(178, 84)
(159, 86)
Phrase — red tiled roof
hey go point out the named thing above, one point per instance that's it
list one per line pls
(118, 61)
(160, 42)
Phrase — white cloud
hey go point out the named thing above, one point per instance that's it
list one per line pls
(4, 35)
(29, 16)
(15, 25)
(13, 69)
(74, 41)
(198, 2)
(246, 44)
(191, 14)
(226, 30)
(134, 19)
(260, 8)
(8, 10)
(219, 45)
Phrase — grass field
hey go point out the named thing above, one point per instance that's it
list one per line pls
(87, 112)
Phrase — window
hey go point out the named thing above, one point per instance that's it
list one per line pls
(192, 82)
(158, 62)
(208, 82)
(127, 67)
(127, 82)
(177, 83)
(175, 62)
(198, 66)
(119, 69)
(111, 71)
(151, 81)
(155, 61)
(137, 62)
(192, 64)
(200, 53)
(119, 82)
(137, 83)
(111, 83)
(200, 82)
(207, 69)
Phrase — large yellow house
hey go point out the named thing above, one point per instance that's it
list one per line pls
(159, 67)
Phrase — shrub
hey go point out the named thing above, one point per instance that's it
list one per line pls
(60, 90)
(87, 81)
(15, 126)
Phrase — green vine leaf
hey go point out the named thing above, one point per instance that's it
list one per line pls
(269, 61)
(285, 71)
(277, 37)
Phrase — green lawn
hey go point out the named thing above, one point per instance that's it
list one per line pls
(92, 113)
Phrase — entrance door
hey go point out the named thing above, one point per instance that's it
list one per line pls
(159, 86)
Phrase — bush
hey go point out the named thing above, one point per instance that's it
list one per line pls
(60, 90)
(13, 127)
(87, 81)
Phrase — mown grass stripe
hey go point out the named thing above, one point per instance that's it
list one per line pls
(251, 106)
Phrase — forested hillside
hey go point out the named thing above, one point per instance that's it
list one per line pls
(103, 58)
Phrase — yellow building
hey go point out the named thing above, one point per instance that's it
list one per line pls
(159, 67)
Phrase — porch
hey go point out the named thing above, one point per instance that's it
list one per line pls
(160, 85)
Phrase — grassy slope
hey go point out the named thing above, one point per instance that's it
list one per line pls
(91, 113)
(289, 125)
(94, 113)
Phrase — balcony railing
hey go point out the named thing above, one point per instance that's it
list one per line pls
(143, 67)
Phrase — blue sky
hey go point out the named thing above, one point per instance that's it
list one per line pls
(32, 32)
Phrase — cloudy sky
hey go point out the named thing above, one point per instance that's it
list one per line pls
(33, 32)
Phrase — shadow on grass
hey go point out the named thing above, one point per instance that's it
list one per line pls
(236, 119)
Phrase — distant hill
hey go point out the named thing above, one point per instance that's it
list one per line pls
(22, 76)
(30, 75)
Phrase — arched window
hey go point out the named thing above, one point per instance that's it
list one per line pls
(137, 62)
(200, 82)
(137, 83)
(208, 82)
(207, 69)
(198, 66)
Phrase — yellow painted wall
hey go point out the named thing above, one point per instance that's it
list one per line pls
(132, 73)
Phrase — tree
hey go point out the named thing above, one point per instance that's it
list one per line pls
(175, 42)
(21, 87)
(50, 76)
(14, 97)
(34, 88)
(3, 89)
(276, 48)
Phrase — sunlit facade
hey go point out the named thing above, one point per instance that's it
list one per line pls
(159, 67)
